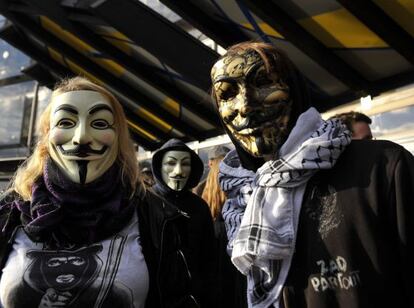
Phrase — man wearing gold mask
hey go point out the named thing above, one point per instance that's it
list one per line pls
(313, 219)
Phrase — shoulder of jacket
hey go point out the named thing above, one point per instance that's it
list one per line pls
(199, 200)
(8, 196)
(372, 148)
(159, 206)
(152, 197)
(9, 215)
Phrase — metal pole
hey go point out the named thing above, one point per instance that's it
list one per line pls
(32, 121)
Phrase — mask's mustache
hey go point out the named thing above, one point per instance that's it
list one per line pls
(256, 118)
(253, 121)
(82, 150)
(178, 177)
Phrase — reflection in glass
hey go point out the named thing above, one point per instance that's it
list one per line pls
(43, 98)
(12, 61)
(15, 101)
(395, 125)
(393, 122)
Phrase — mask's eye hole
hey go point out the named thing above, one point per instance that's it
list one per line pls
(65, 123)
(170, 163)
(54, 262)
(226, 90)
(262, 80)
(77, 261)
(100, 124)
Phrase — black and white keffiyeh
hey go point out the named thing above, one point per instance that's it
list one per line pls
(263, 209)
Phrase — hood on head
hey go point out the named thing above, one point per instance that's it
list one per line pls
(197, 166)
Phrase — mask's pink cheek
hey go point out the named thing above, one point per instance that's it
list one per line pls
(58, 136)
(107, 137)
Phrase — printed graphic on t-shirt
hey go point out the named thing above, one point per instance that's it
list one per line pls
(334, 275)
(323, 209)
(69, 278)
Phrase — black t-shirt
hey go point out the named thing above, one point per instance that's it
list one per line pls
(355, 229)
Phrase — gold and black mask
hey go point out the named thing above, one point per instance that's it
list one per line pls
(254, 102)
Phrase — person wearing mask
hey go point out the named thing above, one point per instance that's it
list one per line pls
(77, 227)
(177, 169)
(313, 219)
(357, 123)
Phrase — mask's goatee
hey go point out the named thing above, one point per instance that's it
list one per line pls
(83, 170)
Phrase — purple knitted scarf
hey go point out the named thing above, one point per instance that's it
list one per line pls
(67, 212)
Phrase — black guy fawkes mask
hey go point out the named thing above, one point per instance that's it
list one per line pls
(254, 105)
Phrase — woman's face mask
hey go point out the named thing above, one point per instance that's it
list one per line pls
(175, 169)
(254, 105)
(83, 139)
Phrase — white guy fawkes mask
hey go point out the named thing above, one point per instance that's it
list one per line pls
(175, 169)
(82, 140)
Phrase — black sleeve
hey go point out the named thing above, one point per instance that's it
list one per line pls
(403, 207)
(209, 255)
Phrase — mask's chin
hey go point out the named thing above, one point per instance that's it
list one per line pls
(265, 138)
(265, 142)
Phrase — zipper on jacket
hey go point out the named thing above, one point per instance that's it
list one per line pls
(185, 214)
(185, 263)
(167, 220)
(159, 262)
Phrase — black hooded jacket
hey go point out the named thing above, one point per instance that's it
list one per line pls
(198, 235)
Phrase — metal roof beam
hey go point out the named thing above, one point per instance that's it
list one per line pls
(142, 141)
(270, 12)
(14, 79)
(173, 46)
(383, 25)
(10, 34)
(395, 81)
(102, 74)
(161, 82)
(144, 71)
(41, 74)
(13, 37)
(225, 33)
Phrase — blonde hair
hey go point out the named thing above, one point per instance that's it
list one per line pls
(32, 168)
(212, 192)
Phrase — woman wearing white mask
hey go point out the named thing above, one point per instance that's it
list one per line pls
(75, 224)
